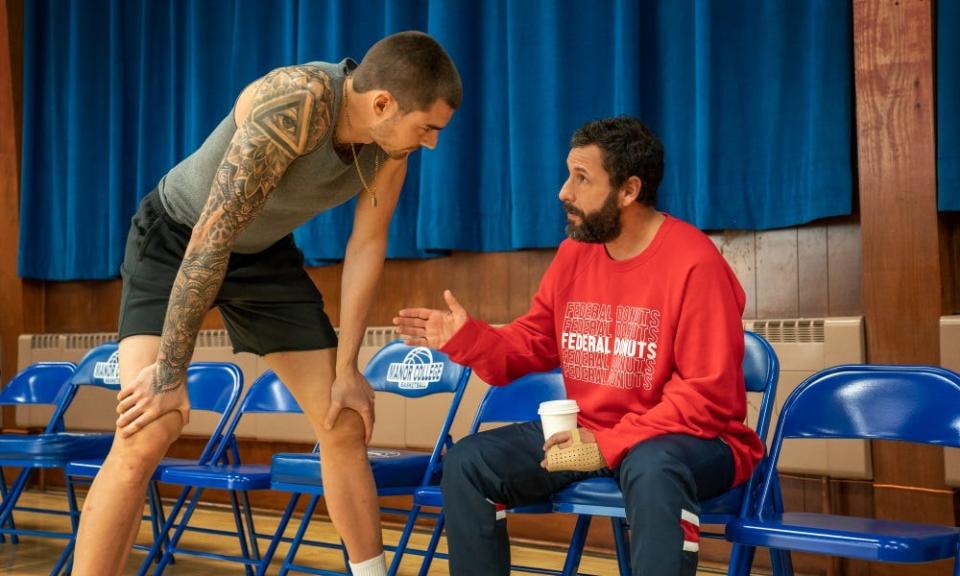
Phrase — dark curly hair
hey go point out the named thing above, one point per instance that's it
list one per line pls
(629, 148)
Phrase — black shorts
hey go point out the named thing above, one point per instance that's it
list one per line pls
(267, 300)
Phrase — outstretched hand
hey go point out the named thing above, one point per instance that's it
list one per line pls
(429, 327)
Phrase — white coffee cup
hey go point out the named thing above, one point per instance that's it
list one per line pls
(558, 416)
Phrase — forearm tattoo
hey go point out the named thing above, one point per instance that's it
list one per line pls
(291, 113)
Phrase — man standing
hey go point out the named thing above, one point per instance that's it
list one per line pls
(217, 232)
(644, 316)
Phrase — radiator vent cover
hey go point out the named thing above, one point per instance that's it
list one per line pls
(792, 331)
(378, 336)
(45, 341)
(213, 339)
(87, 341)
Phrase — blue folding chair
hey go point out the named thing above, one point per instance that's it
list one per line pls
(55, 447)
(212, 387)
(919, 404)
(412, 372)
(514, 403)
(602, 496)
(224, 471)
(37, 384)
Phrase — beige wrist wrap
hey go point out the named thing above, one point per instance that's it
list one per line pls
(577, 458)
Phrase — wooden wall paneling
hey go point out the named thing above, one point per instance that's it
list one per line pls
(82, 306)
(739, 248)
(812, 272)
(844, 266)
(893, 70)
(20, 301)
(950, 261)
(537, 265)
(424, 282)
(327, 280)
(519, 283)
(778, 285)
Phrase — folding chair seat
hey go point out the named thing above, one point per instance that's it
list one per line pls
(391, 468)
(918, 404)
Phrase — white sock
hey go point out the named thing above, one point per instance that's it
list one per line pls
(376, 566)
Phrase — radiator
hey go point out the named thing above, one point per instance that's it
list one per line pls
(803, 345)
(950, 359)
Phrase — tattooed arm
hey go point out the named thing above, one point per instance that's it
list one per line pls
(290, 113)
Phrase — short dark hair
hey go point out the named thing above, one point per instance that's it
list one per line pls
(414, 68)
(629, 149)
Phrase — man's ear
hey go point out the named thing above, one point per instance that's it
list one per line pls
(630, 190)
(384, 104)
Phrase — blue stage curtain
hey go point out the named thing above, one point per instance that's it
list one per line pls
(948, 98)
(753, 101)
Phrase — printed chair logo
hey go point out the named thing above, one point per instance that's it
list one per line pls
(417, 371)
(108, 371)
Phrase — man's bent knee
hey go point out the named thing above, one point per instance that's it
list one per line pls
(147, 446)
(347, 432)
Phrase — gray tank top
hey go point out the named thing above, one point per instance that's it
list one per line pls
(312, 183)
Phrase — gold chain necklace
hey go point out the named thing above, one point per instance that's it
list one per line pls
(371, 190)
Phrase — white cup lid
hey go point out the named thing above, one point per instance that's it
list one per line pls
(558, 407)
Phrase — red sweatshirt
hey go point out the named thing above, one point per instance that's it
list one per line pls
(648, 346)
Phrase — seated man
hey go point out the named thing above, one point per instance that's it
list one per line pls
(643, 315)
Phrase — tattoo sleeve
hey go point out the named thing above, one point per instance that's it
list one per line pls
(290, 114)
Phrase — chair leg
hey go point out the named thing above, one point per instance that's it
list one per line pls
(346, 558)
(432, 546)
(3, 499)
(10, 502)
(65, 556)
(157, 519)
(295, 545)
(278, 535)
(67, 553)
(781, 562)
(172, 543)
(741, 560)
(404, 538)
(622, 544)
(577, 542)
(241, 532)
(251, 529)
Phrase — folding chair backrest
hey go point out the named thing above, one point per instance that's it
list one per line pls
(267, 395)
(99, 367)
(40, 383)
(519, 400)
(761, 370)
(414, 372)
(919, 404)
(910, 403)
(214, 387)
